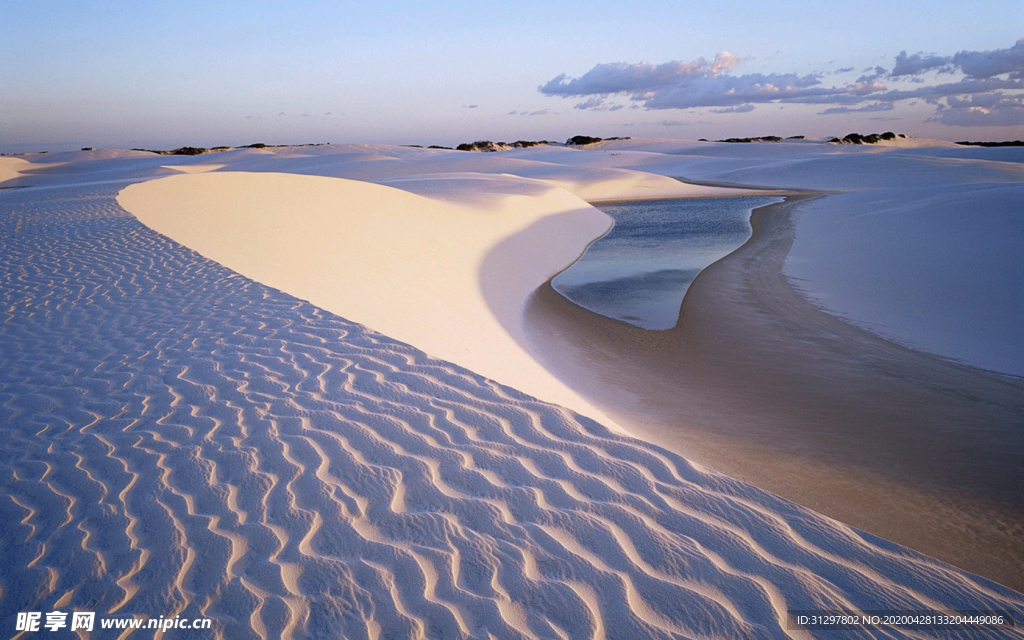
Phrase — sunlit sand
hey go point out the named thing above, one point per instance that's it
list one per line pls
(328, 391)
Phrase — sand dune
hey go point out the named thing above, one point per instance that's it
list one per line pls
(402, 263)
(450, 277)
(11, 168)
(569, 169)
(179, 439)
(921, 247)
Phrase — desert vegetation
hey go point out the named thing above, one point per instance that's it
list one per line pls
(188, 151)
(196, 151)
(872, 138)
(759, 139)
(1004, 143)
(487, 145)
(580, 141)
(483, 145)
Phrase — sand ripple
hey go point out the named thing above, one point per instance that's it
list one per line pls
(177, 439)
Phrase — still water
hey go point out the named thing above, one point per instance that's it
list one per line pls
(640, 270)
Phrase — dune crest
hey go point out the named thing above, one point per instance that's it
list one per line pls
(11, 168)
(407, 265)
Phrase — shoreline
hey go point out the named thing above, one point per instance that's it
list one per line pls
(753, 191)
(759, 384)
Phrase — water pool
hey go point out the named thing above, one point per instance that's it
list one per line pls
(640, 270)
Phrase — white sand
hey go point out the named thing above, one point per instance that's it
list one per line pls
(929, 251)
(11, 168)
(194, 168)
(179, 440)
(939, 268)
(449, 277)
(409, 266)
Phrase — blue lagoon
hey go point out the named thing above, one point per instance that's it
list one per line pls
(640, 270)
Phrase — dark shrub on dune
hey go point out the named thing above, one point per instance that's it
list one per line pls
(759, 139)
(188, 151)
(872, 138)
(1005, 143)
(483, 145)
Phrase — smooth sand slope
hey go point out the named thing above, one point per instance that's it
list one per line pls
(387, 258)
(179, 439)
(10, 168)
(450, 277)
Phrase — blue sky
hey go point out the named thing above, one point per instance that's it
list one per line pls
(161, 75)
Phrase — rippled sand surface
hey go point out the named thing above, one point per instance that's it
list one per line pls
(177, 439)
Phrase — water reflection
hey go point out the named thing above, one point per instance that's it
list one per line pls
(640, 270)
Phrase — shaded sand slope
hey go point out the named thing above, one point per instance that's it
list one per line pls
(421, 269)
(760, 384)
(11, 168)
(178, 439)
(402, 263)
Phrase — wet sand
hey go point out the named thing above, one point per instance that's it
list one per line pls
(758, 383)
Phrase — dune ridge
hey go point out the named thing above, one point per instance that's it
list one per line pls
(178, 439)
(11, 168)
(388, 258)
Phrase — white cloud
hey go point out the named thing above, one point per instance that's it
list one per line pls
(996, 109)
(744, 108)
(700, 83)
(619, 77)
(919, 63)
(877, 106)
(986, 64)
(539, 112)
(592, 104)
(973, 64)
(874, 74)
